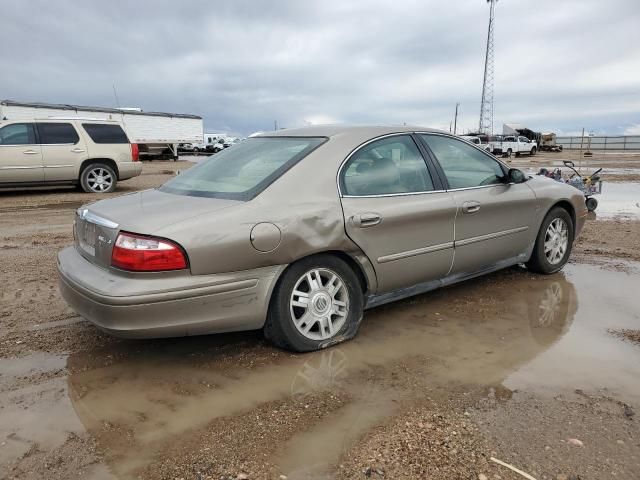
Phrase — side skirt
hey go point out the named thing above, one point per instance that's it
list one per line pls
(373, 301)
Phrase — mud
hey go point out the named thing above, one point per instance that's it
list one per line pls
(512, 365)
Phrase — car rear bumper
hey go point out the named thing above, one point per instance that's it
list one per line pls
(129, 170)
(159, 305)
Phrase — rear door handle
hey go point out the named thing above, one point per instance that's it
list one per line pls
(77, 150)
(30, 152)
(470, 207)
(365, 220)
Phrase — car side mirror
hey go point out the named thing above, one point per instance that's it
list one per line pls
(516, 176)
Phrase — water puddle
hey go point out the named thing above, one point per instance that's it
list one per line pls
(546, 334)
(619, 200)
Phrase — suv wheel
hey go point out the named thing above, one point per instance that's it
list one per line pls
(553, 244)
(98, 178)
(317, 302)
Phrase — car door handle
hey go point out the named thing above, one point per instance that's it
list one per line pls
(470, 207)
(77, 150)
(365, 220)
(30, 152)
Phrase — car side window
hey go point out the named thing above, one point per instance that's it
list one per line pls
(18, 134)
(57, 133)
(463, 165)
(391, 165)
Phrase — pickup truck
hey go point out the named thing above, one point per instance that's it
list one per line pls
(512, 145)
(477, 141)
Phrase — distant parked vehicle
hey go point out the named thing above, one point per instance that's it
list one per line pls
(548, 143)
(186, 147)
(157, 134)
(477, 141)
(93, 154)
(216, 146)
(515, 145)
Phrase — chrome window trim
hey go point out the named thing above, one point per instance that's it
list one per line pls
(403, 194)
(19, 145)
(361, 146)
(413, 253)
(57, 144)
(478, 187)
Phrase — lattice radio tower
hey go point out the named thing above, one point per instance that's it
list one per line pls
(486, 106)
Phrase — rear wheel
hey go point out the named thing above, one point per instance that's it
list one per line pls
(508, 153)
(98, 178)
(553, 244)
(317, 302)
(533, 151)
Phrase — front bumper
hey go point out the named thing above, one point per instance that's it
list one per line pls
(167, 304)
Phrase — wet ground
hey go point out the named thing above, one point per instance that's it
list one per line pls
(541, 372)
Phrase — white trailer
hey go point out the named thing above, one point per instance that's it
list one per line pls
(156, 133)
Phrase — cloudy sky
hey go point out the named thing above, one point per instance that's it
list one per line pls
(560, 65)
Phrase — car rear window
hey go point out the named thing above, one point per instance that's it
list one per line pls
(57, 133)
(244, 170)
(104, 133)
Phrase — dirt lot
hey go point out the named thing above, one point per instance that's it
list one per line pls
(538, 372)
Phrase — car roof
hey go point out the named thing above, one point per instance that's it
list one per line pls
(358, 130)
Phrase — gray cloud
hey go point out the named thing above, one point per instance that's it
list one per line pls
(242, 64)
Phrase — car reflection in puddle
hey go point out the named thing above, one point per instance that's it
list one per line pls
(150, 393)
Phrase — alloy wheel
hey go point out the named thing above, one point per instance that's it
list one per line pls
(556, 241)
(319, 304)
(99, 179)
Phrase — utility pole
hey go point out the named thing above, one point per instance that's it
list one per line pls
(275, 125)
(486, 106)
(455, 120)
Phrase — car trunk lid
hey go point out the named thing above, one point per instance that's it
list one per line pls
(97, 225)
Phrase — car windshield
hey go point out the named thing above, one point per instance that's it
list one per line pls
(243, 171)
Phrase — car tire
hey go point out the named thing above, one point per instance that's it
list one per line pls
(98, 177)
(317, 302)
(508, 154)
(553, 243)
(533, 151)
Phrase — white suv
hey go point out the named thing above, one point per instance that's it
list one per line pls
(93, 154)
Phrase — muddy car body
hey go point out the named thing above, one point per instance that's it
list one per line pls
(328, 222)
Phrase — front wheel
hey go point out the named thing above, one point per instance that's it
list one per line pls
(553, 243)
(533, 151)
(317, 302)
(98, 178)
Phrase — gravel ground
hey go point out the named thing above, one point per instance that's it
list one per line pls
(423, 399)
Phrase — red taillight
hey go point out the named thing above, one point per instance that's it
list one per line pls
(135, 152)
(139, 253)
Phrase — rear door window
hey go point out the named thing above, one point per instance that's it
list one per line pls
(388, 166)
(18, 134)
(105, 133)
(57, 133)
